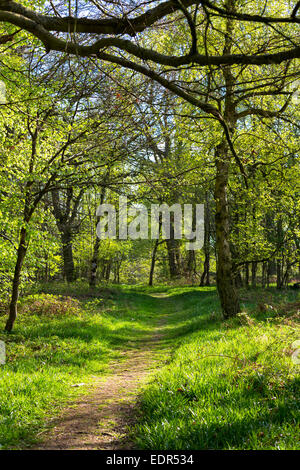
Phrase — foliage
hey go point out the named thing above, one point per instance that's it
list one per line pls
(228, 385)
(51, 349)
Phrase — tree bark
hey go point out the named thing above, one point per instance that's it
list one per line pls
(67, 251)
(94, 262)
(263, 275)
(247, 275)
(21, 253)
(279, 262)
(279, 274)
(172, 258)
(65, 209)
(238, 279)
(190, 265)
(253, 273)
(108, 270)
(205, 279)
(153, 259)
(225, 276)
(172, 251)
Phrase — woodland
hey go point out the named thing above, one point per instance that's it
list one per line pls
(161, 102)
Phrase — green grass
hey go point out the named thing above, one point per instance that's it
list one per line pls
(225, 385)
(228, 385)
(55, 345)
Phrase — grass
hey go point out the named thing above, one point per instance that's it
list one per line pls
(228, 385)
(58, 343)
(225, 385)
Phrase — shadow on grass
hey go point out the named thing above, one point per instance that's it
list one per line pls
(249, 413)
(130, 319)
(238, 422)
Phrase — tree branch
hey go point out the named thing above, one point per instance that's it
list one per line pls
(40, 26)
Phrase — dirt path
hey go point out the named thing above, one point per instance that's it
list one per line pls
(100, 419)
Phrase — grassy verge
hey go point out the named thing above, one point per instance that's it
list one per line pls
(228, 385)
(58, 343)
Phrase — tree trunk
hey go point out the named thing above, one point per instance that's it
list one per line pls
(279, 262)
(263, 275)
(67, 250)
(225, 276)
(253, 273)
(269, 268)
(153, 259)
(279, 274)
(21, 253)
(225, 279)
(118, 272)
(285, 279)
(190, 264)
(94, 263)
(238, 279)
(108, 269)
(205, 280)
(247, 275)
(65, 216)
(171, 247)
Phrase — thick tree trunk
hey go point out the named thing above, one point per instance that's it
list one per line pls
(225, 278)
(21, 253)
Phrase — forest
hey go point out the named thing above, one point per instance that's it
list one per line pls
(142, 337)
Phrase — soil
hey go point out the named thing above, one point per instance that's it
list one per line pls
(103, 418)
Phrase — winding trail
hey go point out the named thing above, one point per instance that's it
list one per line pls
(101, 419)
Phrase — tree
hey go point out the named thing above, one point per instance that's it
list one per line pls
(65, 210)
(211, 27)
(49, 161)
